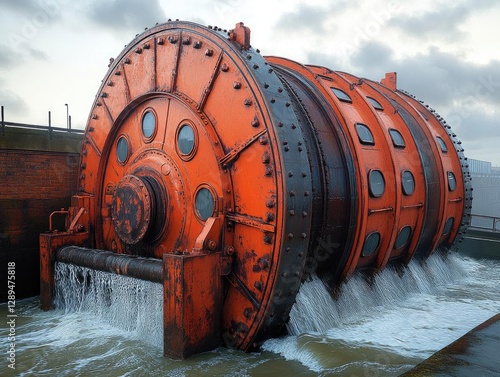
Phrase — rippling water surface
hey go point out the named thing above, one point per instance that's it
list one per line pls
(112, 326)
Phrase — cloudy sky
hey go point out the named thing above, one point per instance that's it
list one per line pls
(446, 52)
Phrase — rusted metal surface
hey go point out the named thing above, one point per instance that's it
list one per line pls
(280, 169)
(193, 297)
(58, 213)
(132, 209)
(49, 244)
(140, 268)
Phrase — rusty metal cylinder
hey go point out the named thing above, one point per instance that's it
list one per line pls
(385, 170)
(136, 267)
(198, 145)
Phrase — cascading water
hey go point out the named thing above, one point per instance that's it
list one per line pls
(132, 305)
(379, 330)
(395, 321)
(316, 311)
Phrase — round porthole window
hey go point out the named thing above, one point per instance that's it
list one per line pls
(204, 203)
(448, 225)
(403, 237)
(186, 140)
(376, 183)
(442, 144)
(122, 149)
(452, 182)
(408, 182)
(148, 124)
(364, 134)
(397, 138)
(371, 244)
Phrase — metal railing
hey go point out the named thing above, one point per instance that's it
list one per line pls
(48, 127)
(485, 222)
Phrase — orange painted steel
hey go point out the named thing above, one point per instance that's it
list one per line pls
(198, 146)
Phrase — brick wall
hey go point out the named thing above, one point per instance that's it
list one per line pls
(37, 175)
(32, 185)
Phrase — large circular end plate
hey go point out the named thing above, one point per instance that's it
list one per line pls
(244, 147)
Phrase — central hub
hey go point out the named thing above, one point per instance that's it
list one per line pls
(136, 203)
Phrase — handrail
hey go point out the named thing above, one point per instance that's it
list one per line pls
(50, 128)
(485, 222)
(62, 212)
(39, 127)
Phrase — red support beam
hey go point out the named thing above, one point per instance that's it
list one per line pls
(49, 243)
(192, 304)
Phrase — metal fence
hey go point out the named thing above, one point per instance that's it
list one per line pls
(485, 222)
(48, 127)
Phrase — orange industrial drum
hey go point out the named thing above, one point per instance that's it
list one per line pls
(230, 177)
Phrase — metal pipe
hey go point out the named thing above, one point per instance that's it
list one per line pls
(61, 212)
(140, 268)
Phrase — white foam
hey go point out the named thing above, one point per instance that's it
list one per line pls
(412, 315)
(131, 305)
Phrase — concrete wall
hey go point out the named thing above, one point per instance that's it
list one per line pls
(38, 174)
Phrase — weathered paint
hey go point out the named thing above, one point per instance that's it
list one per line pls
(245, 174)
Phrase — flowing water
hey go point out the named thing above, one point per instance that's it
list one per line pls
(110, 325)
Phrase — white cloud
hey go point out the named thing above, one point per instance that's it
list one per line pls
(13, 104)
(121, 15)
(441, 49)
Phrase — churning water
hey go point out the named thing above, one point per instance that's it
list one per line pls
(112, 325)
(132, 305)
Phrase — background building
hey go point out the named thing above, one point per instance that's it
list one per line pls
(486, 184)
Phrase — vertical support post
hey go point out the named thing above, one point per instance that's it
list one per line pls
(192, 304)
(49, 244)
(50, 126)
(3, 123)
(67, 116)
(47, 261)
